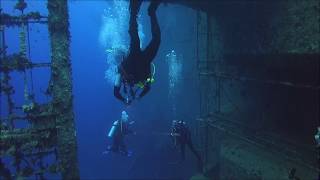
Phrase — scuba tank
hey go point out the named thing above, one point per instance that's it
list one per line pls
(113, 129)
(124, 118)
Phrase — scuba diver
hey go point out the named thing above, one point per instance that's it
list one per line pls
(182, 136)
(134, 72)
(118, 131)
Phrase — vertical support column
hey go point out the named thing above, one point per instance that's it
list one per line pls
(218, 94)
(202, 41)
(202, 59)
(5, 86)
(61, 88)
(209, 94)
(2, 48)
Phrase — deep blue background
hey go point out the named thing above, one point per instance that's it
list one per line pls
(94, 105)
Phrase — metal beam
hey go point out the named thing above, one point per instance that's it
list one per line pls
(58, 21)
(271, 82)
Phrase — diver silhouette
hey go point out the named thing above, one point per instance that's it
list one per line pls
(182, 137)
(134, 72)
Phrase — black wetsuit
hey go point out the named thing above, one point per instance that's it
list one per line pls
(136, 67)
(118, 144)
(182, 136)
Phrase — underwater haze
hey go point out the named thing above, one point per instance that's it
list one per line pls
(95, 106)
(96, 28)
(243, 75)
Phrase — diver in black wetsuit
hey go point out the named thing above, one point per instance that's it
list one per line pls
(135, 70)
(182, 137)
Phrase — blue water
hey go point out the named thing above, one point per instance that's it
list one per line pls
(95, 107)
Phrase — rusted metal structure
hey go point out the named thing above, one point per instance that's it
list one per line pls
(50, 130)
(227, 135)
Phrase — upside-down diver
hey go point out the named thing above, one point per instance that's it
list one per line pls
(134, 72)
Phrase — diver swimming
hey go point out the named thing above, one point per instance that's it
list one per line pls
(134, 74)
(181, 136)
(118, 131)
